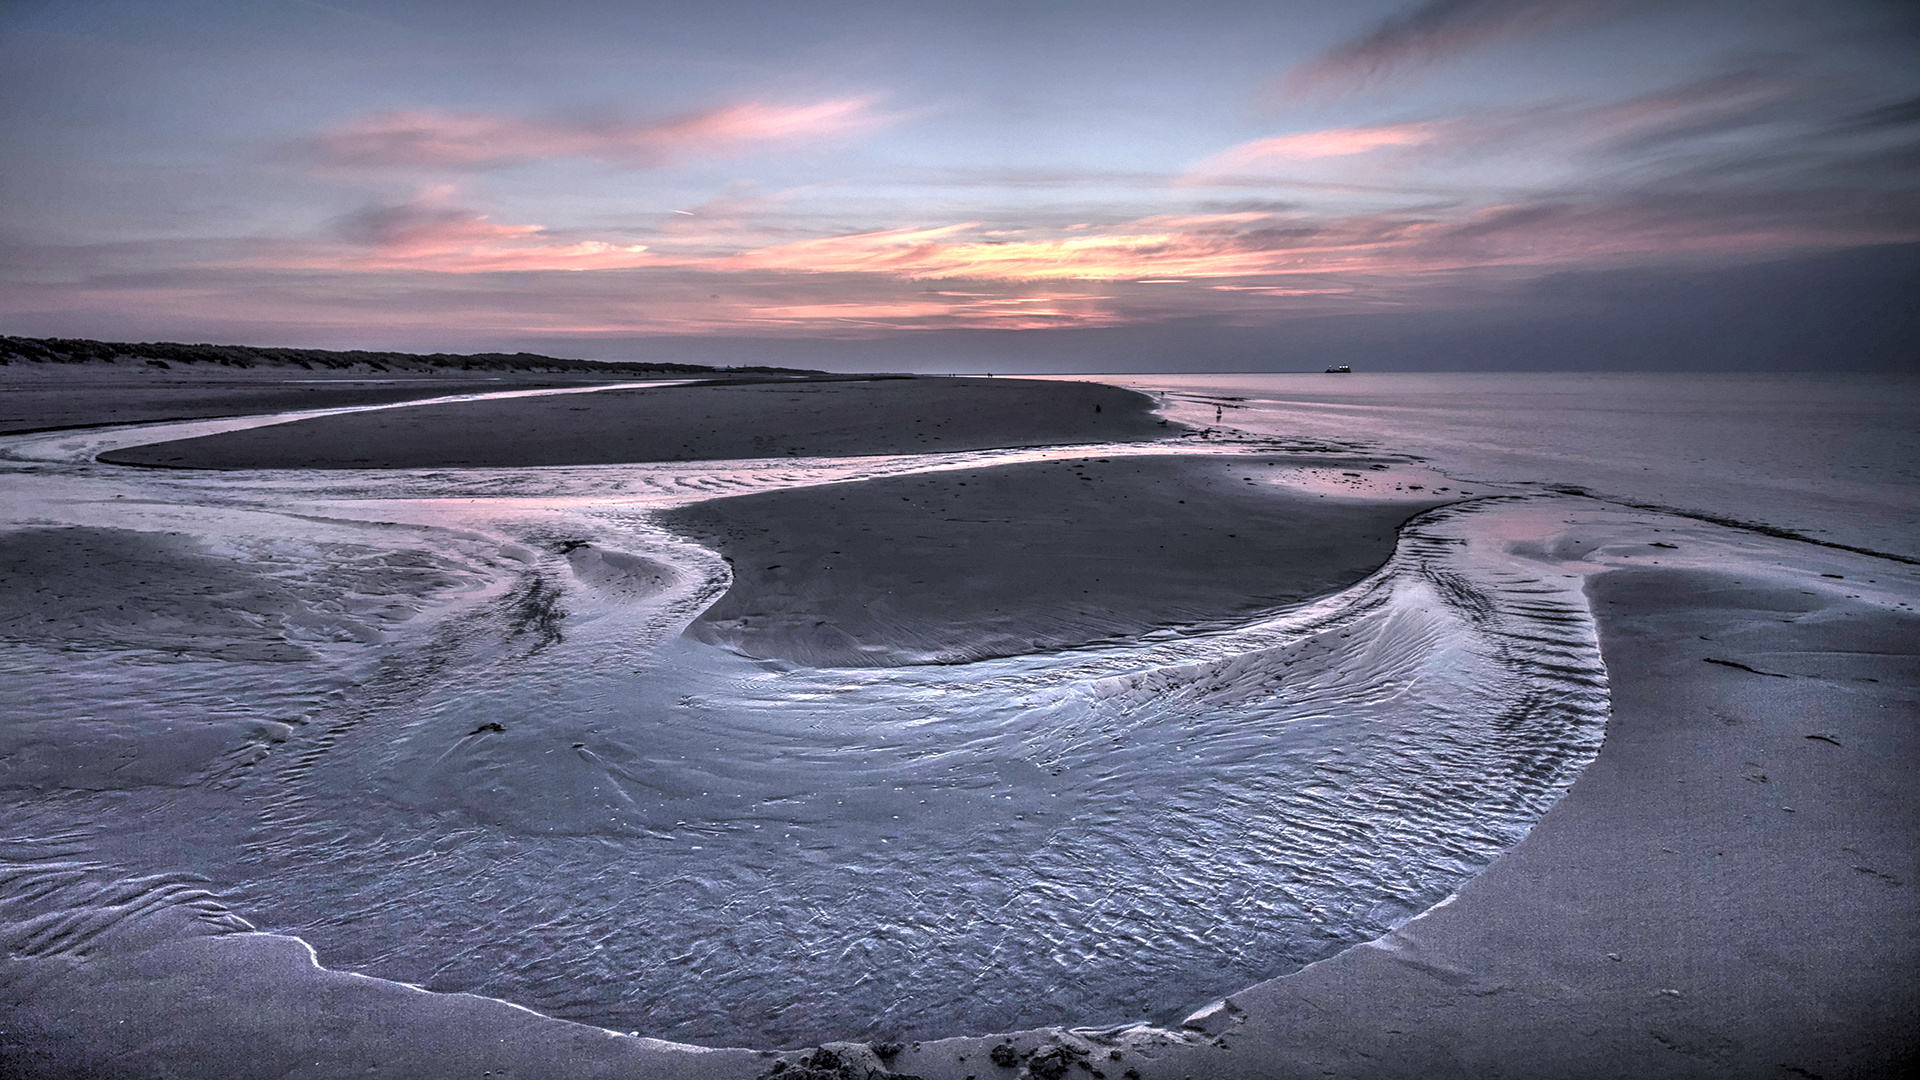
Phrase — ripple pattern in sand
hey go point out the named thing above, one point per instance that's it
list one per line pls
(616, 825)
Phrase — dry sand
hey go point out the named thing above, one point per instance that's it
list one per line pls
(708, 421)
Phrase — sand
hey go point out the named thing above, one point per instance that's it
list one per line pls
(820, 417)
(53, 398)
(1727, 891)
(954, 566)
(1672, 917)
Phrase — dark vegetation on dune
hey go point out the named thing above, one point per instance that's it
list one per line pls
(167, 353)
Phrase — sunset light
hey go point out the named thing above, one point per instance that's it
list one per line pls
(611, 178)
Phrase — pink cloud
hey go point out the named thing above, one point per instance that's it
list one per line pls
(1558, 135)
(863, 311)
(1187, 245)
(476, 258)
(1257, 253)
(1284, 268)
(424, 225)
(899, 251)
(1281, 290)
(1308, 145)
(724, 270)
(1154, 247)
(440, 140)
(428, 233)
(942, 310)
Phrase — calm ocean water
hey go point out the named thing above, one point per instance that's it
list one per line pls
(1836, 457)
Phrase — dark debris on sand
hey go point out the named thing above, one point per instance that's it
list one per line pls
(826, 1063)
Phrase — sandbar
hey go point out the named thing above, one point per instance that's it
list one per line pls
(952, 566)
(707, 421)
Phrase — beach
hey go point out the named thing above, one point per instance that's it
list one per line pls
(708, 421)
(37, 398)
(950, 728)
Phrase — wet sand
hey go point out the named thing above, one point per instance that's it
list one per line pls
(1727, 891)
(788, 418)
(948, 567)
(1671, 917)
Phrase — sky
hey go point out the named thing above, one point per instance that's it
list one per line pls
(1036, 185)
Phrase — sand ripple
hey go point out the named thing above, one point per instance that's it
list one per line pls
(636, 830)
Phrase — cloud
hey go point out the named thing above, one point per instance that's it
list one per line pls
(1235, 272)
(1693, 111)
(422, 225)
(1239, 206)
(1743, 165)
(940, 310)
(1844, 309)
(1758, 123)
(1899, 114)
(1308, 145)
(1669, 227)
(1275, 251)
(1698, 111)
(1760, 128)
(428, 139)
(428, 233)
(1266, 250)
(1156, 246)
(1430, 31)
